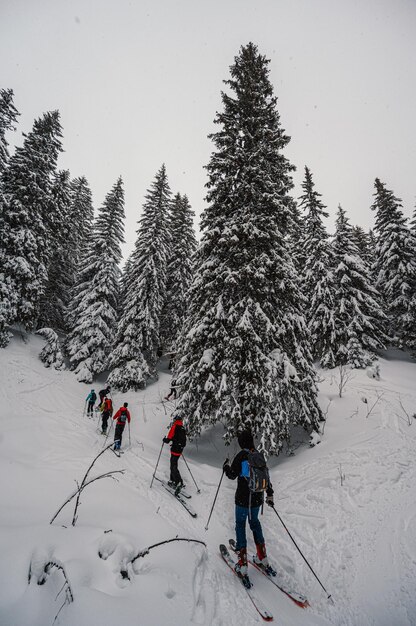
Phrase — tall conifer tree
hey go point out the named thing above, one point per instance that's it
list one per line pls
(413, 222)
(364, 245)
(8, 118)
(81, 217)
(80, 224)
(138, 336)
(179, 271)
(359, 319)
(244, 355)
(395, 265)
(295, 237)
(25, 218)
(318, 277)
(60, 279)
(91, 340)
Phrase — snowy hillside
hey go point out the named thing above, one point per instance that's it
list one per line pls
(349, 502)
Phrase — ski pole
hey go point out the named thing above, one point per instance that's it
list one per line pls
(329, 596)
(215, 499)
(158, 459)
(85, 406)
(189, 469)
(129, 435)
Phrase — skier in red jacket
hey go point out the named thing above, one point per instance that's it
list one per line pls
(176, 435)
(122, 416)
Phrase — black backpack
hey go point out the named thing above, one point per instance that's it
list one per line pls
(123, 416)
(179, 439)
(255, 470)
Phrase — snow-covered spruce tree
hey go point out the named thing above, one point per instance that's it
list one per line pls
(134, 357)
(25, 207)
(81, 217)
(295, 237)
(97, 290)
(126, 274)
(364, 243)
(51, 354)
(395, 265)
(359, 319)
(413, 222)
(80, 223)
(244, 356)
(60, 275)
(179, 271)
(8, 117)
(318, 274)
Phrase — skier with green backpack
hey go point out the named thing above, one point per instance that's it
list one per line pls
(249, 466)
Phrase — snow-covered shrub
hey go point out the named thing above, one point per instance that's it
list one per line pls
(315, 439)
(373, 371)
(5, 337)
(51, 354)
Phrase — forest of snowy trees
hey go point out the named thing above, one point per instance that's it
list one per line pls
(245, 313)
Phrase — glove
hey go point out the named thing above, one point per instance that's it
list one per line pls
(226, 465)
(166, 440)
(269, 500)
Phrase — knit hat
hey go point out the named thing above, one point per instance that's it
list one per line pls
(245, 439)
(126, 404)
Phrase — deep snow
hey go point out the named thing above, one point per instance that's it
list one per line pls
(359, 536)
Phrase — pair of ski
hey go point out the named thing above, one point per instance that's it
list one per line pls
(269, 573)
(182, 496)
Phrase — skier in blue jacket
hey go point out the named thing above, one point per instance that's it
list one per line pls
(91, 398)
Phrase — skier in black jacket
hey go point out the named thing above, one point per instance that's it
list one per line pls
(247, 504)
(103, 393)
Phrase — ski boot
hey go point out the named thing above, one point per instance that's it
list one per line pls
(241, 567)
(261, 560)
(179, 488)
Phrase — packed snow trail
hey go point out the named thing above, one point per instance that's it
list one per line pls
(359, 536)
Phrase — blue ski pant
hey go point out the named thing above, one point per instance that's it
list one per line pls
(241, 514)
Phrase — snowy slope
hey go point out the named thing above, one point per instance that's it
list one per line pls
(359, 536)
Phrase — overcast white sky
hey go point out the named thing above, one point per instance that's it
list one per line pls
(138, 83)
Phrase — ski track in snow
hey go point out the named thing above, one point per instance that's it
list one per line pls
(359, 536)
